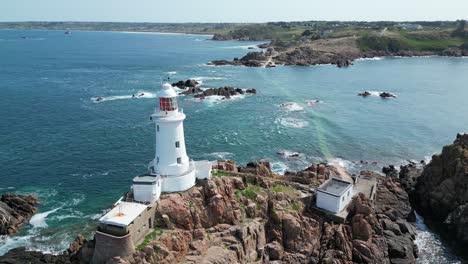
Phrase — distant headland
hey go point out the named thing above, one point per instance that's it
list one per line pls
(303, 43)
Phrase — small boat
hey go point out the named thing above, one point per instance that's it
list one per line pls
(68, 32)
(99, 99)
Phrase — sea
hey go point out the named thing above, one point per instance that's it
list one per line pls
(79, 155)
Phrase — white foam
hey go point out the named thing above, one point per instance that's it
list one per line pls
(221, 155)
(370, 59)
(138, 95)
(289, 154)
(171, 73)
(202, 78)
(431, 248)
(291, 122)
(346, 164)
(377, 93)
(291, 107)
(312, 102)
(244, 47)
(39, 220)
(279, 167)
(216, 99)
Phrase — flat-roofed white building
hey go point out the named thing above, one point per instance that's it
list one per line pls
(334, 195)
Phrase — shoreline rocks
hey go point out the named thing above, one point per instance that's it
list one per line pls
(15, 211)
(440, 194)
(249, 214)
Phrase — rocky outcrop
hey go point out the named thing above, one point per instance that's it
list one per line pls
(22, 256)
(256, 217)
(387, 95)
(441, 192)
(190, 83)
(15, 211)
(252, 59)
(306, 56)
(227, 92)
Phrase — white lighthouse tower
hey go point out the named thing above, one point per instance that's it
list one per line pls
(171, 161)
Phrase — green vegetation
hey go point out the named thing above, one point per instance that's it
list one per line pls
(150, 237)
(380, 36)
(404, 41)
(295, 207)
(281, 188)
(250, 192)
(219, 174)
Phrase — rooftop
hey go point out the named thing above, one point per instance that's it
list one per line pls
(145, 179)
(335, 186)
(123, 214)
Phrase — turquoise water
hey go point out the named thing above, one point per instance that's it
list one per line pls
(79, 156)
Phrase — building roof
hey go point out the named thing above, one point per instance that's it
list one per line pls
(167, 91)
(145, 179)
(334, 186)
(123, 214)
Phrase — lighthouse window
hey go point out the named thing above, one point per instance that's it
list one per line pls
(179, 160)
(167, 104)
(157, 128)
(177, 144)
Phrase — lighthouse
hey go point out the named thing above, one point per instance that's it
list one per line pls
(171, 162)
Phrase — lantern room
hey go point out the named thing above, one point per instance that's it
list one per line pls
(167, 98)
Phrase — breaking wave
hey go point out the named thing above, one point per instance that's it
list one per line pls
(431, 248)
(216, 99)
(370, 59)
(221, 155)
(279, 167)
(138, 95)
(39, 220)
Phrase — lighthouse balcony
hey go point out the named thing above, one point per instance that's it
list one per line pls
(176, 114)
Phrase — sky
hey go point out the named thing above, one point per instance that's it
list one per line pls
(231, 10)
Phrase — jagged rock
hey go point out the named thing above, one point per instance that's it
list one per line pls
(190, 83)
(364, 94)
(390, 171)
(262, 168)
(15, 211)
(387, 95)
(226, 92)
(441, 192)
(226, 165)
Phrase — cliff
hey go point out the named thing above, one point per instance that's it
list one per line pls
(441, 192)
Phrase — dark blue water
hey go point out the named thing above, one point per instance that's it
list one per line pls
(78, 156)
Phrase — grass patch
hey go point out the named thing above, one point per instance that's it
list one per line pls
(406, 42)
(219, 174)
(250, 192)
(150, 237)
(281, 188)
(295, 207)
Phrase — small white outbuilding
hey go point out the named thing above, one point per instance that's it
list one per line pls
(334, 195)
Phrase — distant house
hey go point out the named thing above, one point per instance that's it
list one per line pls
(334, 195)
(409, 26)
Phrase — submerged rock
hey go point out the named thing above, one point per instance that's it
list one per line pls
(387, 95)
(364, 94)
